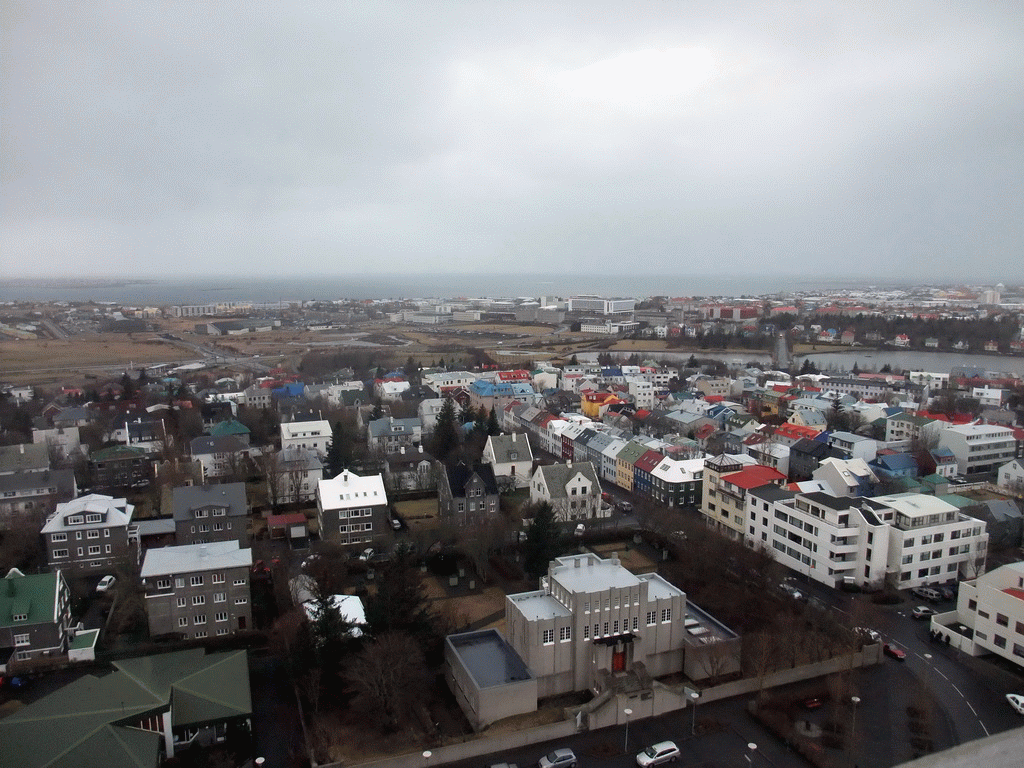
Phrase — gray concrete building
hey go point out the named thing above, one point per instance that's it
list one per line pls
(208, 513)
(198, 590)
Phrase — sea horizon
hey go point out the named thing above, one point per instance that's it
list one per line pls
(169, 290)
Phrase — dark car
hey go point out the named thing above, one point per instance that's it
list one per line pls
(893, 652)
(624, 507)
(948, 593)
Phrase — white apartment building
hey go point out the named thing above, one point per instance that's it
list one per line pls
(311, 435)
(642, 392)
(910, 539)
(989, 615)
(979, 447)
(572, 490)
(592, 617)
(600, 305)
(351, 509)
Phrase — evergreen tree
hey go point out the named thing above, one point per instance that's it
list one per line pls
(493, 428)
(692, 362)
(445, 441)
(128, 388)
(339, 452)
(467, 414)
(541, 545)
(480, 423)
(399, 602)
(574, 360)
(378, 410)
(856, 369)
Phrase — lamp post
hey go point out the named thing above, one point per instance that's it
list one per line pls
(694, 696)
(855, 700)
(927, 673)
(750, 753)
(625, 745)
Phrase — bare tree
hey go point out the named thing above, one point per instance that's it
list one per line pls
(269, 466)
(390, 678)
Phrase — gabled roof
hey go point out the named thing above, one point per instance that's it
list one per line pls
(189, 497)
(229, 427)
(460, 475)
(113, 513)
(556, 476)
(85, 724)
(117, 453)
(24, 457)
(754, 476)
(33, 596)
(502, 446)
(201, 446)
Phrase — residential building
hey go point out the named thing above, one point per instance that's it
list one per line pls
(35, 614)
(979, 448)
(209, 513)
(847, 445)
(351, 509)
(427, 411)
(311, 435)
(119, 468)
(805, 456)
(846, 477)
(908, 539)
(90, 534)
(26, 457)
(409, 470)
(590, 304)
(989, 615)
(135, 717)
(511, 457)
(62, 441)
(292, 475)
(26, 497)
(1011, 476)
(465, 494)
(727, 480)
(593, 619)
(678, 482)
(221, 457)
(198, 590)
(573, 490)
(388, 435)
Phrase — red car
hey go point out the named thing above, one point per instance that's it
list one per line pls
(607, 497)
(812, 703)
(897, 653)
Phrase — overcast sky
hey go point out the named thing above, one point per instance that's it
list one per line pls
(868, 139)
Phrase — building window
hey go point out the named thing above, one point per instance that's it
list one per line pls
(94, 550)
(241, 600)
(22, 639)
(197, 581)
(198, 599)
(548, 637)
(183, 621)
(615, 627)
(666, 615)
(182, 602)
(239, 582)
(218, 578)
(586, 631)
(163, 583)
(179, 583)
(564, 634)
(200, 618)
(57, 537)
(201, 634)
(1002, 620)
(220, 597)
(606, 627)
(222, 616)
(92, 534)
(652, 618)
(59, 553)
(222, 631)
(636, 623)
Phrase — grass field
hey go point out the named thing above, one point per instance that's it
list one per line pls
(41, 360)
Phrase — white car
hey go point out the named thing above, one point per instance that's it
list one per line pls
(366, 554)
(105, 583)
(560, 758)
(656, 754)
(869, 635)
(1016, 701)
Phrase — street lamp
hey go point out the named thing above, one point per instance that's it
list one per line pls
(694, 696)
(627, 712)
(855, 700)
(749, 755)
(927, 671)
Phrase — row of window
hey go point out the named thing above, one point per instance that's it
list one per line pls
(353, 527)
(56, 538)
(79, 519)
(200, 618)
(205, 528)
(217, 512)
(610, 627)
(93, 550)
(218, 597)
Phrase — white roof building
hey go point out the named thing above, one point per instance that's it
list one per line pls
(194, 558)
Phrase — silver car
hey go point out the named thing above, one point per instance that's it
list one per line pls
(560, 758)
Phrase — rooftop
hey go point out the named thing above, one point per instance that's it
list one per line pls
(190, 558)
(489, 659)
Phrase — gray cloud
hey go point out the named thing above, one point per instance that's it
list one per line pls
(213, 137)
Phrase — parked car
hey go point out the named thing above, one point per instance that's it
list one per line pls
(560, 758)
(105, 583)
(624, 506)
(867, 635)
(504, 765)
(366, 554)
(814, 703)
(948, 593)
(922, 612)
(656, 754)
(1016, 701)
(605, 496)
(927, 593)
(396, 524)
(893, 652)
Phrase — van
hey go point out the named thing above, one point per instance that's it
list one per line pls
(927, 593)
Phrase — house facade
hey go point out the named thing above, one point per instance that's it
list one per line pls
(466, 494)
(308, 435)
(991, 608)
(208, 513)
(198, 590)
(293, 474)
(511, 457)
(352, 510)
(35, 613)
(573, 490)
(90, 534)
(979, 448)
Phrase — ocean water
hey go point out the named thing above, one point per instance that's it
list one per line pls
(202, 290)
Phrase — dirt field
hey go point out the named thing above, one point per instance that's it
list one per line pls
(50, 360)
(632, 560)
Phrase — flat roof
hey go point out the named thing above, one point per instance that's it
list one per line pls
(658, 588)
(538, 605)
(489, 659)
(593, 574)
